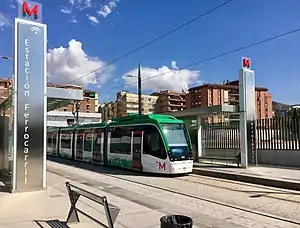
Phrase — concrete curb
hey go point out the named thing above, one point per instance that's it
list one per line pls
(249, 179)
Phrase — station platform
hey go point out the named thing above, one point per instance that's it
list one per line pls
(272, 176)
(230, 206)
(49, 208)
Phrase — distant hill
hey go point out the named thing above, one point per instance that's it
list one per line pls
(281, 106)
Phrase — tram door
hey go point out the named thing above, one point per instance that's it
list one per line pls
(98, 156)
(137, 150)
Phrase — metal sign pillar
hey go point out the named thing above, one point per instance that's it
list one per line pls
(199, 136)
(247, 114)
(30, 99)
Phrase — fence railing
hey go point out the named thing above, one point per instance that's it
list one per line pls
(271, 134)
(278, 133)
(224, 135)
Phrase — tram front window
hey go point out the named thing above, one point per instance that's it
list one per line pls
(177, 139)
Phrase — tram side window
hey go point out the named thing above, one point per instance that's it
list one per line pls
(66, 140)
(54, 139)
(120, 142)
(88, 141)
(97, 140)
(79, 140)
(49, 139)
(153, 143)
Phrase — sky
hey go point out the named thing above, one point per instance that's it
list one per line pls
(84, 35)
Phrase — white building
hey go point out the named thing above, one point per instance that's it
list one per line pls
(61, 118)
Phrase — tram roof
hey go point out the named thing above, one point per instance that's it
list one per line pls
(68, 128)
(91, 125)
(151, 118)
(145, 118)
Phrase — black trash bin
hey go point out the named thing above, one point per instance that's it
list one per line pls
(176, 221)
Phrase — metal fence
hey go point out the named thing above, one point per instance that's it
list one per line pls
(278, 133)
(271, 134)
(224, 135)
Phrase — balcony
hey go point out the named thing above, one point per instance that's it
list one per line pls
(132, 106)
(175, 104)
(175, 98)
(234, 102)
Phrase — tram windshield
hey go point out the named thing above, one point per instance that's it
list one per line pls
(177, 139)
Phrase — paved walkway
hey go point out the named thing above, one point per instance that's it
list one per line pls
(273, 176)
(49, 209)
(141, 207)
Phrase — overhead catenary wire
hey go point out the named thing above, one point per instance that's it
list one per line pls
(154, 40)
(220, 55)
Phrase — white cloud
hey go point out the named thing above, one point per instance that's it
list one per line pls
(73, 20)
(104, 11)
(167, 78)
(93, 19)
(174, 65)
(67, 64)
(13, 3)
(76, 5)
(4, 21)
(66, 10)
(107, 9)
(81, 4)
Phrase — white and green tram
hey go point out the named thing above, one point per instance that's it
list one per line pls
(149, 143)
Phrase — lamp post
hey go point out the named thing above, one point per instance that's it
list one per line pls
(139, 88)
(76, 106)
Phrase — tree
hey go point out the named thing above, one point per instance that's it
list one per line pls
(294, 112)
(278, 114)
(294, 121)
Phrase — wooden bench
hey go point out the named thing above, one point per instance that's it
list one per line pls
(75, 192)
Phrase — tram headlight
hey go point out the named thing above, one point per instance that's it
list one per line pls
(170, 156)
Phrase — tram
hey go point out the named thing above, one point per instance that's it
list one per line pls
(149, 143)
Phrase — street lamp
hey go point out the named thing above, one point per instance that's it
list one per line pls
(139, 88)
(76, 106)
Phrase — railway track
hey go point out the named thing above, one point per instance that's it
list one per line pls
(269, 193)
(191, 196)
(209, 200)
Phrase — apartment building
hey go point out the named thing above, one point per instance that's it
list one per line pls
(5, 85)
(228, 93)
(169, 101)
(127, 103)
(88, 105)
(6, 104)
(64, 86)
(108, 110)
